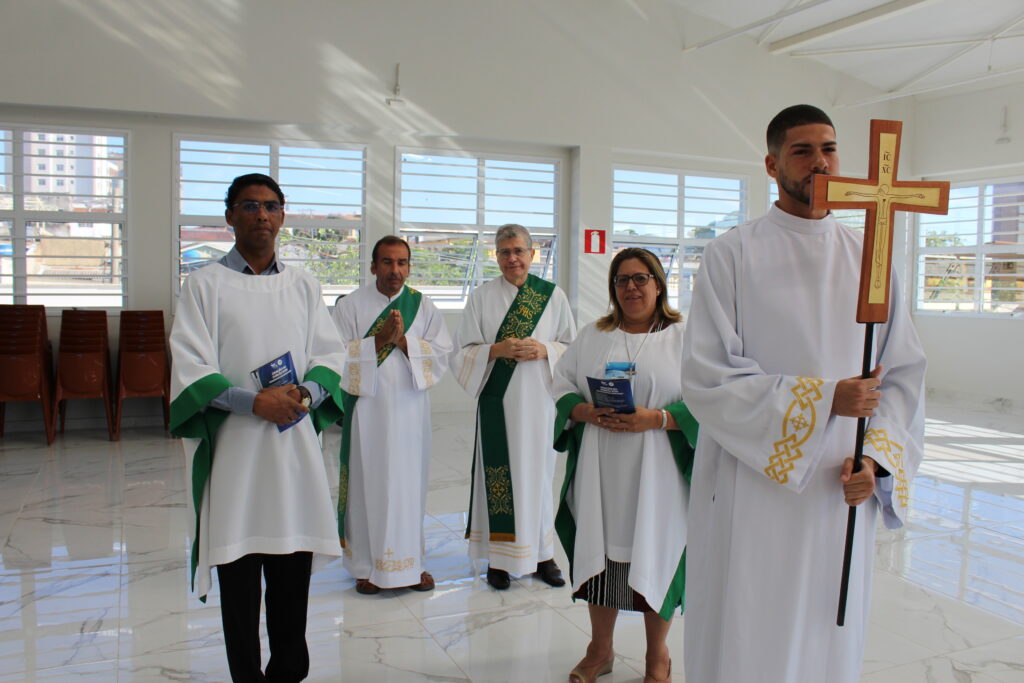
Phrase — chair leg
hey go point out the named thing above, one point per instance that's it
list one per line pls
(3, 407)
(118, 414)
(49, 421)
(107, 405)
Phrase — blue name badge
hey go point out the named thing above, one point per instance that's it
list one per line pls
(619, 370)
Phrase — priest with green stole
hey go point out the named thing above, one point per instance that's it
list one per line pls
(513, 331)
(397, 348)
(254, 352)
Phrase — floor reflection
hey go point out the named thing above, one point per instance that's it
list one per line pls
(94, 576)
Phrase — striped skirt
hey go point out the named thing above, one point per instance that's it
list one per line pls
(611, 588)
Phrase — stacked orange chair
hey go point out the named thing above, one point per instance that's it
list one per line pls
(26, 360)
(143, 368)
(83, 362)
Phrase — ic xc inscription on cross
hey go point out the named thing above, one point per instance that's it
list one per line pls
(881, 194)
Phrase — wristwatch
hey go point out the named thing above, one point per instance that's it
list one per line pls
(305, 398)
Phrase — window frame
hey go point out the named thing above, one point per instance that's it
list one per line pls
(19, 216)
(680, 241)
(274, 145)
(980, 252)
(481, 231)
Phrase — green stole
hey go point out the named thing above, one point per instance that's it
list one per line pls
(192, 419)
(519, 323)
(408, 304)
(570, 439)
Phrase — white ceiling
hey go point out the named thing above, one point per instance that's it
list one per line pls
(902, 47)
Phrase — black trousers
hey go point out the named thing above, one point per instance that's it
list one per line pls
(287, 597)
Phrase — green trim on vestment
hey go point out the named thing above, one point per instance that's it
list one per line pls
(520, 321)
(408, 304)
(682, 443)
(567, 440)
(329, 410)
(190, 418)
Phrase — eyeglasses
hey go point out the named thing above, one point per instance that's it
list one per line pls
(639, 279)
(518, 252)
(253, 206)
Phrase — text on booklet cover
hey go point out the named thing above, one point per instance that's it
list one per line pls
(277, 372)
(616, 393)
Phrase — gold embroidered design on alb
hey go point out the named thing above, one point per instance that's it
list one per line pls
(392, 565)
(343, 488)
(354, 371)
(521, 323)
(880, 441)
(797, 427)
(499, 490)
(428, 362)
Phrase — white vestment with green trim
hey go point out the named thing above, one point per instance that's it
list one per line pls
(628, 496)
(386, 481)
(529, 419)
(267, 491)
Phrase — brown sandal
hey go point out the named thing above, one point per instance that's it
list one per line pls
(651, 679)
(580, 675)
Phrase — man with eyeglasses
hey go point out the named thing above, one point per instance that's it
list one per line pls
(246, 331)
(398, 347)
(513, 331)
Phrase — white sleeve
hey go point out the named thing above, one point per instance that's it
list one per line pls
(736, 403)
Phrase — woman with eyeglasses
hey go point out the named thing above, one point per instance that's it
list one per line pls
(622, 517)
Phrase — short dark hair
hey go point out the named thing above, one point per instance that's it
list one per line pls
(389, 239)
(248, 180)
(791, 117)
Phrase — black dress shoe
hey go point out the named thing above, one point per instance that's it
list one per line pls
(498, 578)
(550, 574)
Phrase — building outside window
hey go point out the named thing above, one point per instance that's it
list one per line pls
(971, 261)
(324, 187)
(48, 254)
(675, 214)
(450, 204)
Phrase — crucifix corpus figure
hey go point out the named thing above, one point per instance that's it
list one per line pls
(770, 370)
(881, 195)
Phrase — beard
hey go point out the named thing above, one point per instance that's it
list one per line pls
(795, 189)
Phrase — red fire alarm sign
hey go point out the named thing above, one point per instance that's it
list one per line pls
(593, 241)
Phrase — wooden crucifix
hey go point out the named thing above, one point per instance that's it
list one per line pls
(881, 195)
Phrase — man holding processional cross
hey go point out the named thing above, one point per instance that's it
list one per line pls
(397, 348)
(513, 331)
(772, 334)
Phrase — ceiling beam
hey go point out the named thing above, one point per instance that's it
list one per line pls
(960, 53)
(757, 24)
(933, 88)
(762, 37)
(886, 11)
(900, 46)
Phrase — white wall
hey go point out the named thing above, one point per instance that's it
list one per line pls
(593, 81)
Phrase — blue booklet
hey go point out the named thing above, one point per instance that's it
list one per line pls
(615, 393)
(277, 372)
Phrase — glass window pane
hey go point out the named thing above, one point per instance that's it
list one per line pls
(1004, 284)
(74, 264)
(946, 281)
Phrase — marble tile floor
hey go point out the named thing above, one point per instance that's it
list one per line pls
(94, 577)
